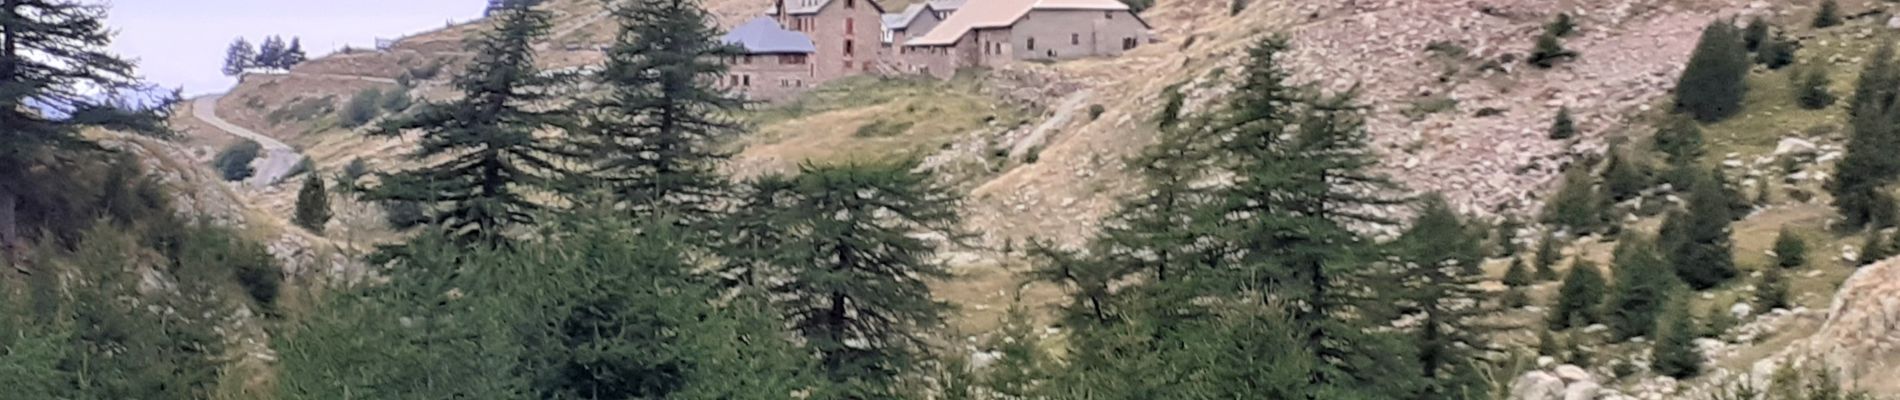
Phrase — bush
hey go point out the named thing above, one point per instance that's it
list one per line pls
(1811, 88)
(403, 215)
(1829, 14)
(1790, 250)
(426, 71)
(1772, 292)
(1776, 53)
(1517, 275)
(363, 107)
(313, 205)
(234, 162)
(397, 101)
(1095, 111)
(1548, 51)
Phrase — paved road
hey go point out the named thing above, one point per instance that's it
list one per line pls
(277, 160)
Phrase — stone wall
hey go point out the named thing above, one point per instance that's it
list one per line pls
(1067, 34)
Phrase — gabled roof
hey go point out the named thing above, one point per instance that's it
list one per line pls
(981, 14)
(800, 7)
(763, 35)
(903, 19)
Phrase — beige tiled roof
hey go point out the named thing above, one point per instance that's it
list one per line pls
(979, 14)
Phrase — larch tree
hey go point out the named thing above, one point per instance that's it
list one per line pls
(482, 161)
(1868, 164)
(239, 57)
(1549, 253)
(1790, 250)
(53, 65)
(856, 269)
(1703, 254)
(649, 138)
(1674, 352)
(270, 53)
(1443, 254)
(294, 54)
(1643, 282)
(1577, 300)
(1578, 205)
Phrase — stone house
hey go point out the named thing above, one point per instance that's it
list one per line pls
(845, 34)
(776, 63)
(987, 33)
(914, 21)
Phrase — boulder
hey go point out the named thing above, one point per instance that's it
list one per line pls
(1582, 391)
(1537, 385)
(1741, 310)
(1795, 147)
(1573, 374)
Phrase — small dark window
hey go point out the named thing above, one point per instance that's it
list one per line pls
(745, 80)
(850, 3)
(1075, 38)
(849, 47)
(1108, 14)
(1032, 43)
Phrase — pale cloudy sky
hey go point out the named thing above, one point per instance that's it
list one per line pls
(182, 42)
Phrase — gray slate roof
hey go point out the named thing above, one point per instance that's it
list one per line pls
(902, 20)
(763, 35)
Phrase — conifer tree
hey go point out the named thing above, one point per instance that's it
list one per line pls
(1623, 179)
(54, 58)
(1675, 353)
(1303, 175)
(1703, 257)
(1547, 344)
(1867, 165)
(270, 54)
(1756, 33)
(1790, 250)
(1517, 275)
(1445, 253)
(1548, 254)
(1643, 283)
(1165, 230)
(1828, 15)
(650, 137)
(1577, 205)
(856, 269)
(1564, 127)
(1578, 298)
(1811, 88)
(1712, 84)
(482, 160)
(1562, 25)
(313, 205)
(238, 57)
(1772, 292)
(293, 54)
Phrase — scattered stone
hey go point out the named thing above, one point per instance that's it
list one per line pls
(1573, 374)
(1741, 310)
(1582, 391)
(1537, 385)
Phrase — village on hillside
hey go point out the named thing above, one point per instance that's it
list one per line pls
(800, 44)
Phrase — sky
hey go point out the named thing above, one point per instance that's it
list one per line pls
(181, 43)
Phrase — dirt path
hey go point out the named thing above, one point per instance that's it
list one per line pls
(278, 160)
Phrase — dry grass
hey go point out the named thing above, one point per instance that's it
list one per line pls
(912, 118)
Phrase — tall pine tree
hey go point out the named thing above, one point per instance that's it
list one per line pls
(857, 268)
(1443, 253)
(482, 160)
(1703, 253)
(1868, 165)
(1643, 283)
(53, 65)
(313, 204)
(1578, 298)
(650, 136)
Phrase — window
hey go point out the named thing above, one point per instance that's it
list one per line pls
(1128, 43)
(745, 80)
(748, 59)
(847, 64)
(1108, 14)
(791, 59)
(850, 4)
(1075, 38)
(850, 47)
(1032, 43)
(850, 26)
